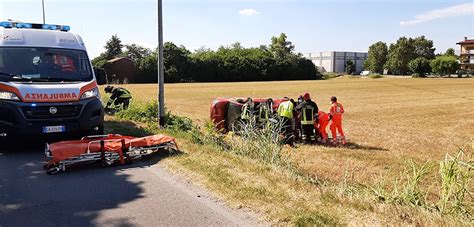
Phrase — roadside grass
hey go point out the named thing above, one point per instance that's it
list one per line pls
(277, 187)
(390, 122)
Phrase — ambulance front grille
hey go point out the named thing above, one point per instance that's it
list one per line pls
(43, 112)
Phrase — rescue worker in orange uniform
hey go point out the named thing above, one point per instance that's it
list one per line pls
(335, 116)
(321, 125)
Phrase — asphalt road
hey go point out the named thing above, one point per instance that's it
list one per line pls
(143, 193)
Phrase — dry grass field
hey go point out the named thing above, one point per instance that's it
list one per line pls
(388, 121)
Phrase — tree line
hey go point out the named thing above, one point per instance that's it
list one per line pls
(277, 61)
(410, 56)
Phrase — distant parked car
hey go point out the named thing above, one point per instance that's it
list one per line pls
(364, 73)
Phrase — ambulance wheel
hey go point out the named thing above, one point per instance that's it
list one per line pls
(6, 144)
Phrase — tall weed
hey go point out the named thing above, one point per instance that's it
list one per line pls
(260, 142)
(406, 190)
(456, 176)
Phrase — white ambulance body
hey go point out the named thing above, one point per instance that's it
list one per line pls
(47, 84)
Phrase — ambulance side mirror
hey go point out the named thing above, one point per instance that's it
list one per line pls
(100, 76)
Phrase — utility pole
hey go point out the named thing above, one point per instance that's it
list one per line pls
(44, 18)
(161, 72)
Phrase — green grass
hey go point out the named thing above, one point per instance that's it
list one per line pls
(327, 76)
(375, 76)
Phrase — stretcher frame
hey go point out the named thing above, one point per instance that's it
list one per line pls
(126, 154)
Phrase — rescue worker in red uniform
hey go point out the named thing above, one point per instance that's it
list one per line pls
(308, 111)
(66, 63)
(335, 116)
(321, 125)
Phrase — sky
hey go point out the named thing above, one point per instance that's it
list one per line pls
(312, 25)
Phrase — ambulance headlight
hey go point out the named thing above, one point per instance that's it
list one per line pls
(6, 95)
(90, 94)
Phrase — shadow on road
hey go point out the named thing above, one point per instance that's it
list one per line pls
(29, 197)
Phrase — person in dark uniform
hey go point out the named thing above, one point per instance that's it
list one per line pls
(308, 113)
(120, 97)
(297, 122)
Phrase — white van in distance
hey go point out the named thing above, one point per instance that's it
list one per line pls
(47, 85)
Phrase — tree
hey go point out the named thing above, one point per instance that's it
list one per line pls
(444, 65)
(450, 52)
(350, 67)
(377, 57)
(113, 47)
(420, 66)
(405, 50)
(399, 55)
(99, 61)
(423, 48)
(228, 63)
(175, 60)
(147, 69)
(136, 52)
(281, 47)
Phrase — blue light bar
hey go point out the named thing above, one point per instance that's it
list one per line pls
(9, 24)
(6, 24)
(50, 27)
(65, 28)
(23, 25)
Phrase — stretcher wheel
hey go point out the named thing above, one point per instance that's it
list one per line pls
(53, 170)
(106, 163)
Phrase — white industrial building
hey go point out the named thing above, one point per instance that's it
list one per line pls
(335, 61)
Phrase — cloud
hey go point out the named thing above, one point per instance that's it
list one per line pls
(452, 11)
(248, 12)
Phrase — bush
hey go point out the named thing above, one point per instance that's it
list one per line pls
(375, 76)
(148, 113)
(420, 66)
(327, 76)
(350, 67)
(444, 65)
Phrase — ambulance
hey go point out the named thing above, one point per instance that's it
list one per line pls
(48, 88)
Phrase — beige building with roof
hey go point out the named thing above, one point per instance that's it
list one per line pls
(466, 56)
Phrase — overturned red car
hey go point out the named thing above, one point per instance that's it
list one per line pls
(226, 112)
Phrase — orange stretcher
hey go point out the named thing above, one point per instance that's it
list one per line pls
(106, 149)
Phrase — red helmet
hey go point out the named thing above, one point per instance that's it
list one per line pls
(306, 96)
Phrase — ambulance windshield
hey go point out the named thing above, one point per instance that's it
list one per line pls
(37, 64)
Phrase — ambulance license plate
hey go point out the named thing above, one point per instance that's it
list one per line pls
(52, 129)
